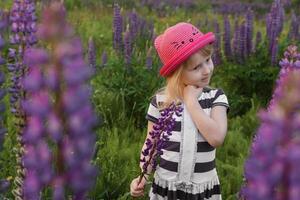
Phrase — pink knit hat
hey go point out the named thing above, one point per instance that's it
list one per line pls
(178, 43)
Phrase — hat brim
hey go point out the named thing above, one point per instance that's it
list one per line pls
(186, 52)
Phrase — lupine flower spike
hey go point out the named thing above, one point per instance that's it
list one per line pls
(160, 133)
(271, 170)
(59, 111)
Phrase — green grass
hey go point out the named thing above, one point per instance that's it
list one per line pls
(119, 139)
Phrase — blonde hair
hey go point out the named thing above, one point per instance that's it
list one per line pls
(173, 90)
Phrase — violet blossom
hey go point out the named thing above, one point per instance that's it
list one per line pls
(274, 26)
(271, 171)
(217, 57)
(127, 37)
(161, 5)
(227, 38)
(3, 131)
(117, 29)
(161, 132)
(294, 28)
(134, 23)
(236, 38)
(23, 28)
(4, 183)
(128, 48)
(249, 31)
(242, 42)
(66, 117)
(291, 60)
(149, 59)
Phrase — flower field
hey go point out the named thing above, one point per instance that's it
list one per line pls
(77, 77)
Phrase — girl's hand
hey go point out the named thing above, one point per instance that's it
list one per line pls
(137, 190)
(191, 93)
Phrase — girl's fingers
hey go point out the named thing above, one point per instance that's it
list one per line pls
(136, 188)
(141, 184)
(140, 187)
(137, 194)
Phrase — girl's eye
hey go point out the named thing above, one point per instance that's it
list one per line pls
(197, 67)
(208, 60)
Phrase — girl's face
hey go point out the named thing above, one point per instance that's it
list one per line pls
(198, 71)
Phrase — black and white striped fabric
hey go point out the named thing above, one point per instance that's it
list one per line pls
(187, 167)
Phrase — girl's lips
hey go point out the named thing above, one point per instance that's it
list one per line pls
(205, 79)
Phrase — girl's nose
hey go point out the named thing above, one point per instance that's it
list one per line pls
(206, 69)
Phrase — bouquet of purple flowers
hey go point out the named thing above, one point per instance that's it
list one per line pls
(161, 132)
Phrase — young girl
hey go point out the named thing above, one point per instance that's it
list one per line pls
(186, 168)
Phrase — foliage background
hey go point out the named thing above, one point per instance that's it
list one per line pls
(121, 98)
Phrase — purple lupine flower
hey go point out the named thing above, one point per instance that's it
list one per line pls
(290, 61)
(227, 38)
(23, 26)
(274, 52)
(23, 22)
(92, 54)
(160, 133)
(294, 28)
(280, 19)
(67, 120)
(33, 131)
(249, 31)
(268, 25)
(133, 24)
(117, 29)
(103, 59)
(271, 169)
(145, 29)
(149, 59)
(231, 8)
(37, 157)
(128, 48)
(287, 3)
(4, 185)
(242, 43)
(151, 33)
(4, 21)
(3, 131)
(13, 66)
(274, 27)
(2, 44)
(58, 188)
(236, 38)
(45, 33)
(217, 44)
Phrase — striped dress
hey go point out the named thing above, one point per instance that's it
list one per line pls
(186, 169)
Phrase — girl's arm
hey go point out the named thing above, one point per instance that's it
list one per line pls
(150, 128)
(212, 128)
